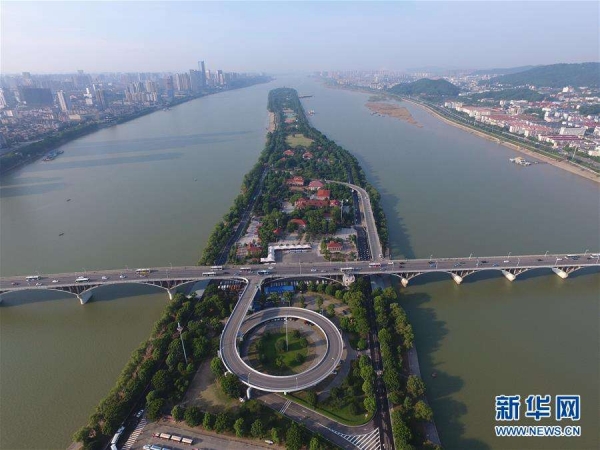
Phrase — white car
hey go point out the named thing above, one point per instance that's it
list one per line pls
(105, 277)
(122, 276)
(55, 281)
(38, 284)
(313, 270)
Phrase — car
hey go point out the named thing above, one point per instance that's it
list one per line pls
(122, 276)
(139, 413)
(494, 265)
(456, 265)
(559, 259)
(506, 261)
(38, 284)
(105, 277)
(313, 270)
(14, 283)
(540, 259)
(483, 262)
(323, 271)
(146, 447)
(55, 281)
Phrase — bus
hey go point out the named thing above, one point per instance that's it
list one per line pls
(32, 278)
(374, 264)
(143, 272)
(209, 274)
(264, 272)
(216, 268)
(246, 269)
(81, 279)
(347, 269)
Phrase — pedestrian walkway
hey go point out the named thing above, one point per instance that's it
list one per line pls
(369, 441)
(133, 436)
(285, 406)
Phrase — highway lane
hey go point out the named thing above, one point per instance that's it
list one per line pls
(233, 362)
(406, 267)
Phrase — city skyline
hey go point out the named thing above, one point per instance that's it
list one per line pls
(288, 37)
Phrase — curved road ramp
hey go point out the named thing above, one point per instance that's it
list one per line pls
(231, 336)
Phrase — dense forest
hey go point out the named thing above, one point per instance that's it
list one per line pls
(512, 94)
(555, 75)
(428, 87)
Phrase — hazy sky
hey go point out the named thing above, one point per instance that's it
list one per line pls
(45, 37)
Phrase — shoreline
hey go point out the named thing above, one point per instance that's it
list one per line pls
(569, 167)
(100, 126)
(564, 165)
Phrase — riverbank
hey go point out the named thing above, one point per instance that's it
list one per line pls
(561, 164)
(565, 165)
(28, 153)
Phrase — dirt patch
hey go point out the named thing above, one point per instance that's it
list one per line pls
(389, 109)
(204, 391)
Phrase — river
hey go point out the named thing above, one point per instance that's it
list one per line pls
(149, 192)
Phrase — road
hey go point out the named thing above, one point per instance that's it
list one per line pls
(368, 218)
(402, 268)
(269, 383)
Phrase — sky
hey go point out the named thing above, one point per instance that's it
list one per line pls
(278, 37)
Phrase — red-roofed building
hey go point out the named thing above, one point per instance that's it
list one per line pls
(301, 223)
(315, 185)
(334, 203)
(307, 155)
(323, 194)
(334, 247)
(306, 203)
(295, 181)
(289, 153)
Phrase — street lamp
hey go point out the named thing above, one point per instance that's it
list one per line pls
(180, 329)
(546, 254)
(508, 257)
(586, 250)
(470, 256)
(430, 257)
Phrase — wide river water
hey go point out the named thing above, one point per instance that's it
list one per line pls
(148, 193)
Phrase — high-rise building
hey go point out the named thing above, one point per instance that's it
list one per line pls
(36, 96)
(220, 78)
(202, 69)
(102, 104)
(63, 101)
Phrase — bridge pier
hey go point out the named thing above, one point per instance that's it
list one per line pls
(564, 272)
(511, 274)
(457, 278)
(404, 281)
(85, 296)
(249, 392)
(348, 279)
(170, 293)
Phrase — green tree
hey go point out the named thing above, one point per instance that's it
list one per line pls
(415, 386)
(208, 421)
(231, 385)
(216, 367)
(239, 427)
(193, 416)
(422, 411)
(178, 412)
(275, 435)
(319, 300)
(154, 408)
(331, 310)
(222, 422)
(161, 381)
(257, 428)
(312, 398)
(370, 404)
(315, 443)
(293, 437)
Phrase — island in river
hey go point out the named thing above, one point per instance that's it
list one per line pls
(389, 109)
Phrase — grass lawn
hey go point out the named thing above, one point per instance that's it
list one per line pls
(275, 362)
(298, 140)
(341, 414)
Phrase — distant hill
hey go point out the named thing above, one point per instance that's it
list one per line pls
(512, 94)
(505, 71)
(425, 86)
(555, 75)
